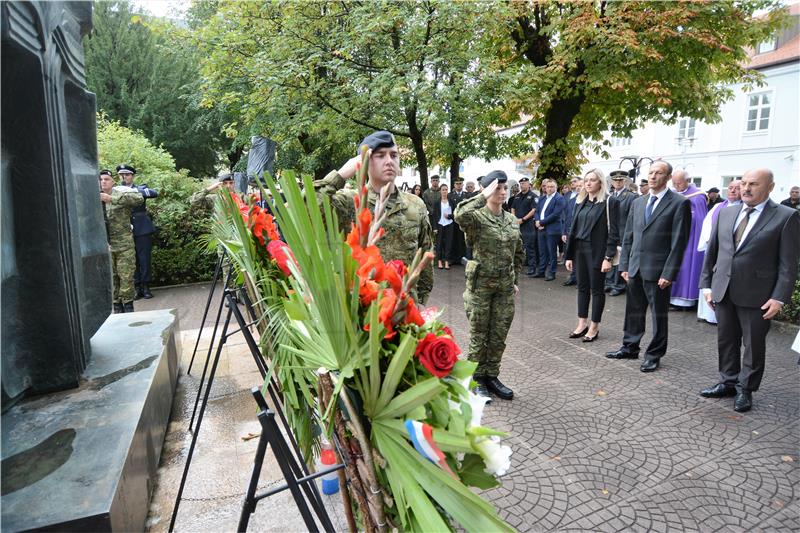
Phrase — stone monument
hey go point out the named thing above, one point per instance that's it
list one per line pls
(56, 273)
(86, 397)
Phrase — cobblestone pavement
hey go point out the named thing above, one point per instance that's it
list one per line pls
(600, 446)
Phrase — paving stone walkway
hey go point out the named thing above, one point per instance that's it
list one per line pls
(598, 445)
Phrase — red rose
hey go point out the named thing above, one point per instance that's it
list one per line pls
(437, 354)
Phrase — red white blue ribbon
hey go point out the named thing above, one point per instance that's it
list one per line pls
(422, 438)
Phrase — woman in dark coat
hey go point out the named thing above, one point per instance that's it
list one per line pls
(442, 220)
(591, 248)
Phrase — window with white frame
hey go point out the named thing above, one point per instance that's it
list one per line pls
(759, 108)
(697, 181)
(766, 46)
(726, 180)
(620, 141)
(686, 128)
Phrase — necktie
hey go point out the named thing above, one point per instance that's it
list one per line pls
(737, 235)
(648, 212)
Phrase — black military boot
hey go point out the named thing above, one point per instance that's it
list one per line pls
(139, 293)
(501, 391)
(118, 308)
(146, 292)
(481, 390)
(127, 307)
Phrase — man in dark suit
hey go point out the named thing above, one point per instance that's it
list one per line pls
(620, 179)
(656, 233)
(748, 274)
(549, 223)
(143, 230)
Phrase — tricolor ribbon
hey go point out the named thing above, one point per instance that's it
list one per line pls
(422, 438)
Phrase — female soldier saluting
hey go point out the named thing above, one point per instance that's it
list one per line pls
(493, 235)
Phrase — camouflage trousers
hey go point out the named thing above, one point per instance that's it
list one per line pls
(123, 267)
(489, 303)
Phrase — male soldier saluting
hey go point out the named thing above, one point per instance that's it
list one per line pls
(406, 224)
(118, 202)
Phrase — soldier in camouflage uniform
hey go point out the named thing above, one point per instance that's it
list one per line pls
(117, 205)
(406, 225)
(205, 197)
(492, 274)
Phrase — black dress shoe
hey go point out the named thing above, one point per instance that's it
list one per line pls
(743, 402)
(127, 307)
(622, 353)
(608, 289)
(649, 365)
(501, 391)
(146, 292)
(587, 338)
(581, 333)
(481, 390)
(615, 292)
(139, 294)
(538, 275)
(530, 273)
(720, 390)
(550, 277)
(570, 283)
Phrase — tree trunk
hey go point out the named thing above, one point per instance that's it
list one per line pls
(419, 150)
(455, 167)
(555, 151)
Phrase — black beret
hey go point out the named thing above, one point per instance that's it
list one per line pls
(226, 177)
(713, 189)
(528, 180)
(125, 169)
(643, 181)
(106, 172)
(498, 175)
(619, 174)
(379, 139)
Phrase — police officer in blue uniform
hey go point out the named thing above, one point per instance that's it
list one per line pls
(143, 229)
(524, 208)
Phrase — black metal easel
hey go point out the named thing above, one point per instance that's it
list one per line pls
(303, 489)
(222, 258)
(295, 464)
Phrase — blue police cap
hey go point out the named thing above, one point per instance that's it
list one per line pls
(125, 169)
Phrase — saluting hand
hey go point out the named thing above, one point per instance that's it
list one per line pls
(489, 189)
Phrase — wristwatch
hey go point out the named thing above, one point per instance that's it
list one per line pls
(609, 259)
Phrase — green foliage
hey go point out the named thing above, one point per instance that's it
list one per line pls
(319, 75)
(581, 69)
(145, 74)
(177, 254)
(791, 311)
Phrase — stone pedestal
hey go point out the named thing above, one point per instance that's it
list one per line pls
(84, 459)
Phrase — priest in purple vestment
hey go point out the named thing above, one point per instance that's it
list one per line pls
(685, 288)
(704, 311)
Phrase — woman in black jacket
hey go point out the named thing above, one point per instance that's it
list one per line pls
(591, 249)
(442, 220)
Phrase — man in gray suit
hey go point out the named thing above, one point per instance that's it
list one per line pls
(655, 238)
(748, 274)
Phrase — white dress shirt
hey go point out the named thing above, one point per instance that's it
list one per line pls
(544, 207)
(658, 196)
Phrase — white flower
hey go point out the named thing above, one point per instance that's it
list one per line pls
(496, 455)
(476, 403)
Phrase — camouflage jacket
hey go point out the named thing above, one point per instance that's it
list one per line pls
(118, 216)
(406, 225)
(203, 198)
(495, 239)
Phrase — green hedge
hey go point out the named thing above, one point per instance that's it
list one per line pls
(179, 255)
(791, 311)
